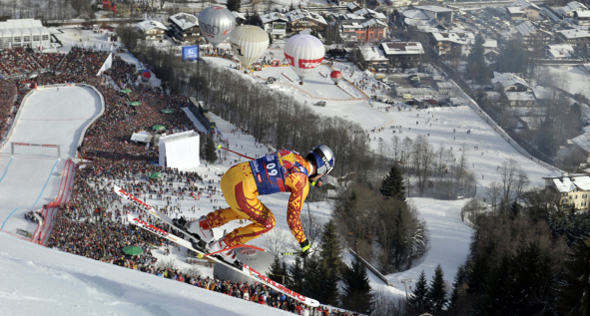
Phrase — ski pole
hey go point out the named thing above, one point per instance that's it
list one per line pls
(235, 152)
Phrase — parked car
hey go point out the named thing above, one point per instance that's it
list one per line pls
(321, 103)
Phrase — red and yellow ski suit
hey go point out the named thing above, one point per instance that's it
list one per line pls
(282, 171)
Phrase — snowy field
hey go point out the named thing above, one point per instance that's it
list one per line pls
(32, 177)
(41, 281)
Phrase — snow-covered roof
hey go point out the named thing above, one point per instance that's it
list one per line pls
(449, 37)
(352, 6)
(557, 51)
(373, 23)
(239, 15)
(575, 33)
(272, 17)
(520, 96)
(433, 8)
(526, 28)
(571, 6)
(371, 13)
(522, 4)
(184, 20)
(415, 15)
(22, 27)
(489, 43)
(568, 183)
(508, 79)
(299, 14)
(400, 48)
(372, 53)
(582, 14)
(150, 25)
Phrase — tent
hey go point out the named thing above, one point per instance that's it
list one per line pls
(180, 150)
(142, 137)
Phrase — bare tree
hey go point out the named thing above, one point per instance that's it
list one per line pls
(276, 240)
(494, 193)
(423, 156)
(522, 181)
(509, 173)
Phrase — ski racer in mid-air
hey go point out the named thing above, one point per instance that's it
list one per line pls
(283, 171)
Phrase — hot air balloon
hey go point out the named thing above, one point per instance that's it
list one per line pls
(216, 23)
(304, 52)
(248, 43)
(336, 76)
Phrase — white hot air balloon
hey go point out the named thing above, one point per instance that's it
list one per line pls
(248, 43)
(304, 52)
(216, 24)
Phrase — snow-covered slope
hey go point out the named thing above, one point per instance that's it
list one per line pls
(35, 280)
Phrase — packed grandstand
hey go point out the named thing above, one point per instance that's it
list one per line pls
(92, 223)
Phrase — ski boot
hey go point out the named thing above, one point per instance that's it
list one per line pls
(201, 243)
(227, 256)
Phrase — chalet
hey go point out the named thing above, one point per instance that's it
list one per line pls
(184, 27)
(582, 18)
(449, 44)
(152, 30)
(569, 9)
(300, 20)
(514, 89)
(275, 24)
(531, 36)
(523, 10)
(572, 188)
(576, 38)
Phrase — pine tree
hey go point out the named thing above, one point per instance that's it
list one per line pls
(234, 5)
(575, 288)
(320, 283)
(357, 294)
(419, 300)
(476, 63)
(458, 289)
(330, 248)
(296, 280)
(437, 294)
(278, 270)
(210, 150)
(393, 184)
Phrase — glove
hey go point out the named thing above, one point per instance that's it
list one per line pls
(306, 249)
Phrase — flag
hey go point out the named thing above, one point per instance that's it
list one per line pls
(99, 46)
(9, 44)
(22, 43)
(84, 44)
(145, 16)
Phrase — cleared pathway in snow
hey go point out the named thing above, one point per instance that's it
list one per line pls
(31, 177)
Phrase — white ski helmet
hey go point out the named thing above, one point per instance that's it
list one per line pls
(323, 157)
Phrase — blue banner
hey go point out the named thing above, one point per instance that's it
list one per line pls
(190, 52)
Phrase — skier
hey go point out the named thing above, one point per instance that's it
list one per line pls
(283, 171)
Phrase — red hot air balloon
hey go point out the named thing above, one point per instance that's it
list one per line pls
(336, 76)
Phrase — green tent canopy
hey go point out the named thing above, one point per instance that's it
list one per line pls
(134, 103)
(159, 128)
(155, 175)
(167, 111)
(132, 250)
(126, 90)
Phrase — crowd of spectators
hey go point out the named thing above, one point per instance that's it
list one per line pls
(48, 61)
(16, 61)
(82, 61)
(7, 105)
(93, 223)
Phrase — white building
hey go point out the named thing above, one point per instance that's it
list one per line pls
(153, 30)
(568, 10)
(559, 51)
(24, 33)
(275, 24)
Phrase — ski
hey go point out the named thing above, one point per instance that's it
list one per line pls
(246, 270)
